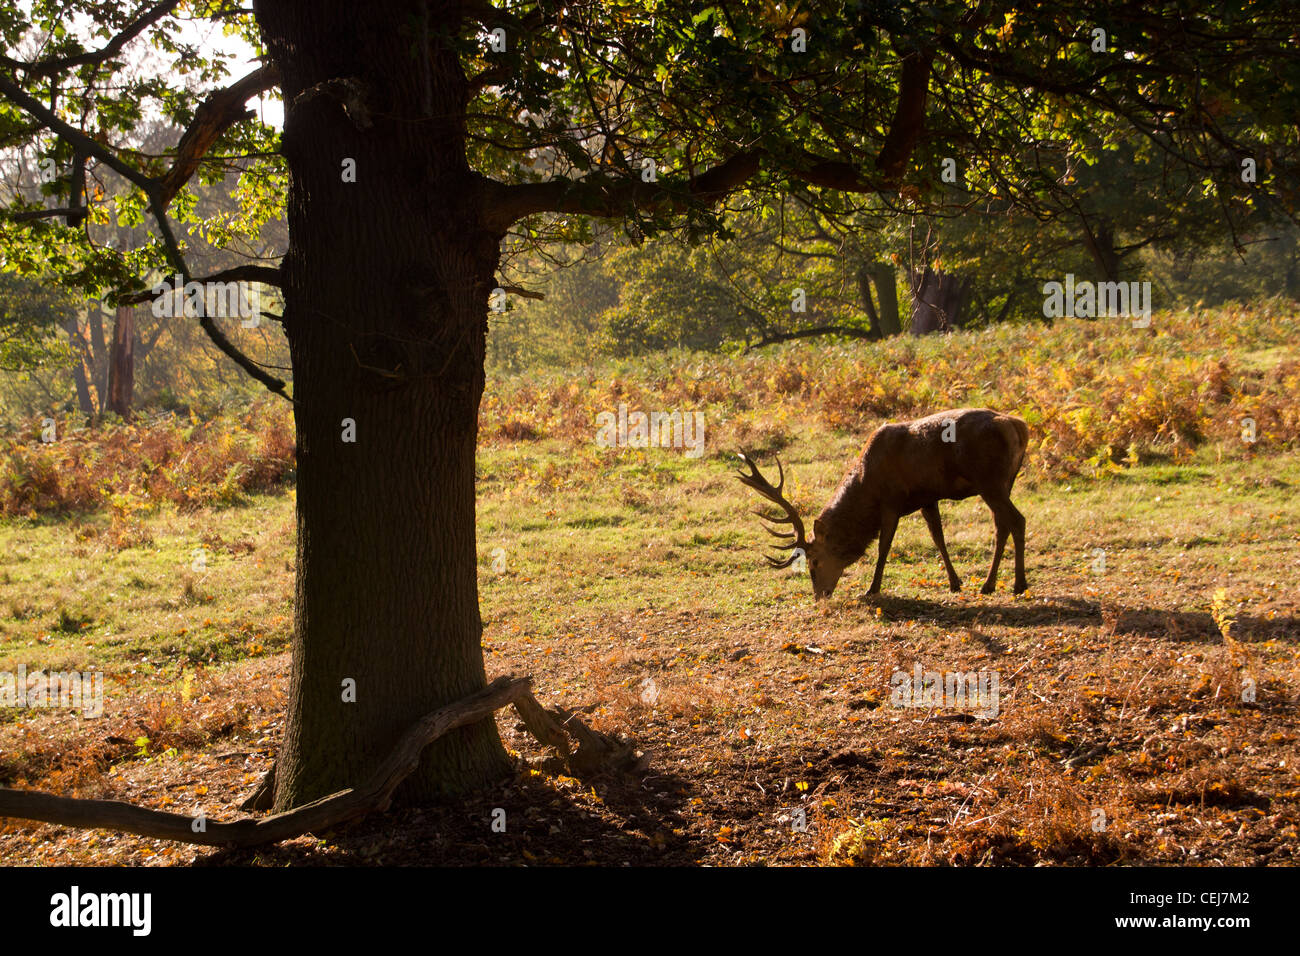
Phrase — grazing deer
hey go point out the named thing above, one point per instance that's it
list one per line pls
(906, 467)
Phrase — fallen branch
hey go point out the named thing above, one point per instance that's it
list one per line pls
(322, 814)
(550, 727)
(595, 750)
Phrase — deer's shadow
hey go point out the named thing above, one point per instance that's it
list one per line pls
(1180, 625)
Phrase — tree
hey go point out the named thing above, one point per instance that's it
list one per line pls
(411, 137)
(30, 315)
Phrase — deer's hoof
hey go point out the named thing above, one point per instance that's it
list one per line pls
(954, 586)
(988, 589)
(1021, 587)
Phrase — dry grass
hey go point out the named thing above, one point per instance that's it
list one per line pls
(1147, 709)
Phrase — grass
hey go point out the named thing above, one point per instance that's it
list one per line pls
(629, 582)
(198, 592)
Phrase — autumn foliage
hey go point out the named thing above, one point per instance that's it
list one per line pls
(1099, 396)
(165, 458)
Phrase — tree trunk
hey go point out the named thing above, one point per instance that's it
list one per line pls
(1291, 284)
(864, 292)
(882, 274)
(121, 363)
(99, 350)
(79, 369)
(386, 287)
(937, 301)
(1101, 246)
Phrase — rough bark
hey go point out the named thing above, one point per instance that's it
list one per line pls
(386, 283)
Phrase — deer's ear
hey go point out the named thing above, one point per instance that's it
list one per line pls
(818, 527)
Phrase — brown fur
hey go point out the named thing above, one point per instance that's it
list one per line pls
(907, 467)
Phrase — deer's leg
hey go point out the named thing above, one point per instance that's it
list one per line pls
(1003, 522)
(888, 524)
(1018, 534)
(931, 513)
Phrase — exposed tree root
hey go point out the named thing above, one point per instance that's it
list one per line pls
(596, 751)
(553, 728)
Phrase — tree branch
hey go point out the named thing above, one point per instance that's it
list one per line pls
(114, 46)
(29, 215)
(267, 275)
(331, 811)
(909, 117)
(522, 292)
(221, 110)
(275, 385)
(207, 126)
(81, 143)
(609, 196)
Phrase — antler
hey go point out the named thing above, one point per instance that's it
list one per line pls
(798, 541)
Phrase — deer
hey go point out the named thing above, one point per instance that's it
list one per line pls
(905, 467)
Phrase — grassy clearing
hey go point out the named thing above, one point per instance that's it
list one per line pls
(630, 582)
(196, 589)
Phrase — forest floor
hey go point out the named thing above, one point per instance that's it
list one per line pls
(1121, 733)
(1147, 683)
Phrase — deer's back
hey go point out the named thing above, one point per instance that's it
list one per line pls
(912, 465)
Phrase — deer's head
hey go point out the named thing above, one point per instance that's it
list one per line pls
(824, 566)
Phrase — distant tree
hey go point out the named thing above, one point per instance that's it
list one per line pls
(31, 316)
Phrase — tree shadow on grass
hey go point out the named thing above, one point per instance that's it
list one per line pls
(1178, 625)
